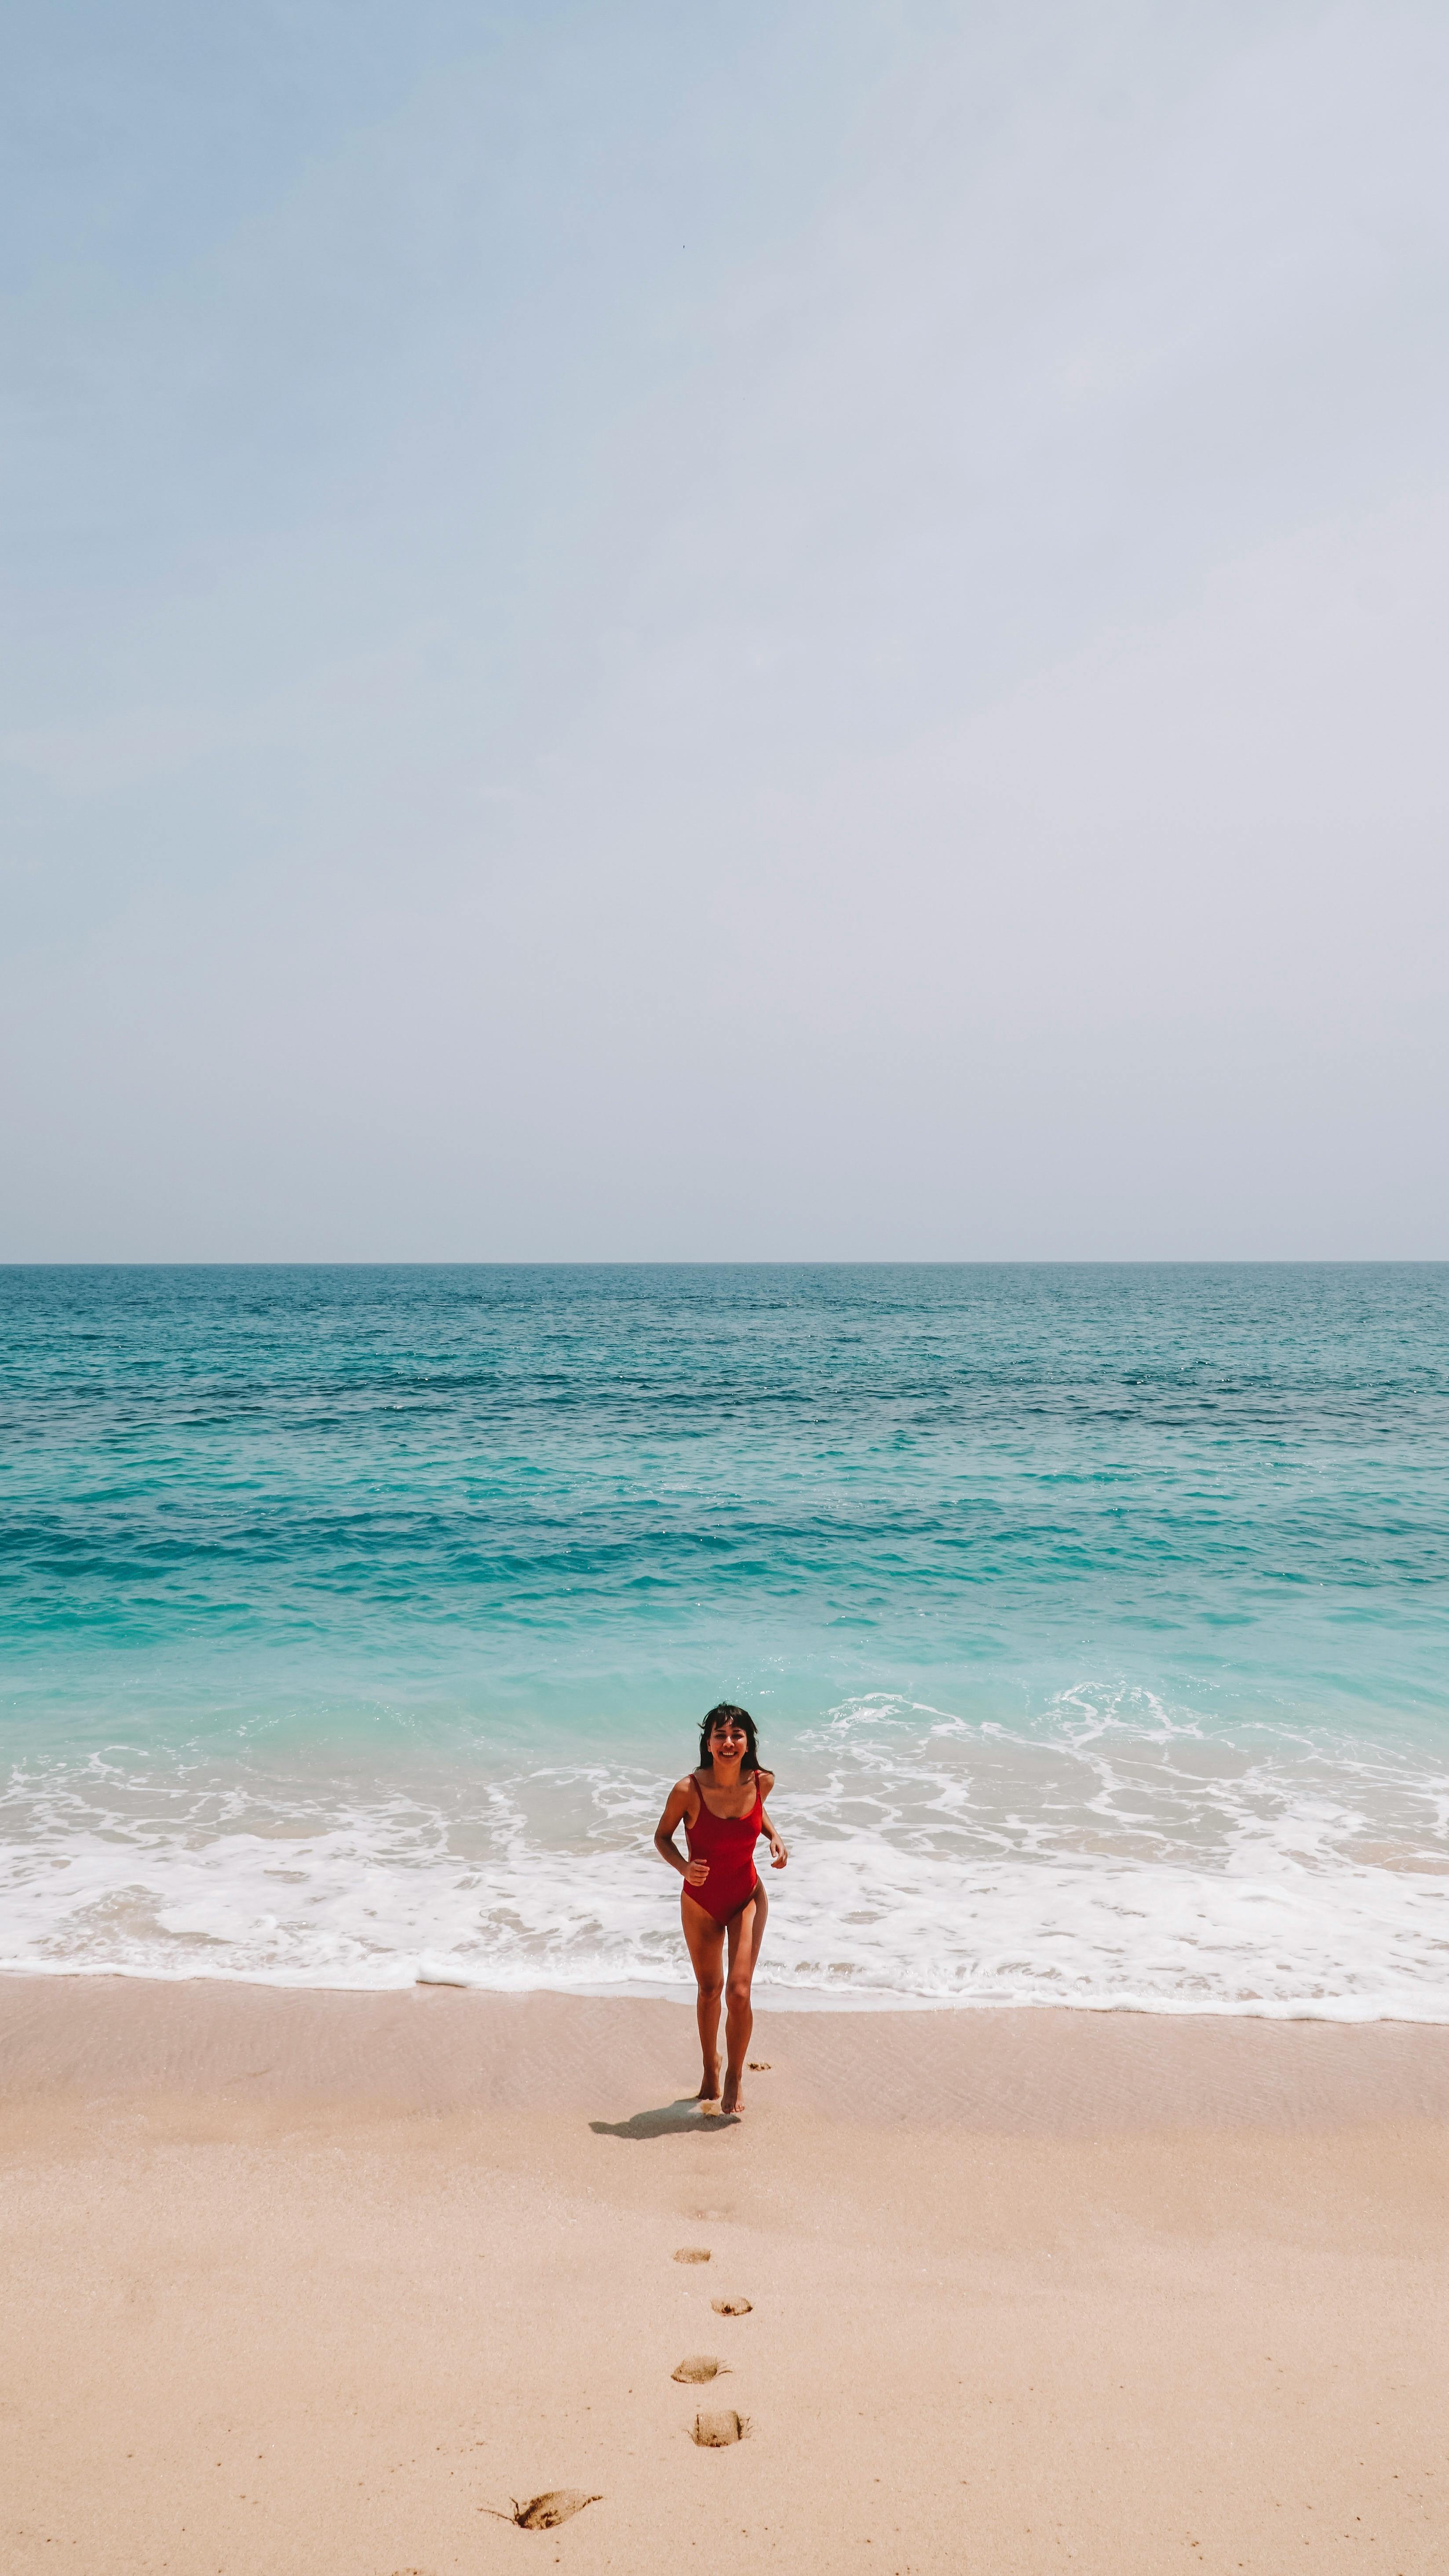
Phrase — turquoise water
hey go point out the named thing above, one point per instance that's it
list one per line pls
(1095, 1621)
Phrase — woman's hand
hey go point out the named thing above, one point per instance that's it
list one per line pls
(778, 1853)
(677, 1807)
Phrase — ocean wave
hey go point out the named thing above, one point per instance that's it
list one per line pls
(1114, 1853)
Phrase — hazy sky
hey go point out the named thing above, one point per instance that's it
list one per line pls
(811, 630)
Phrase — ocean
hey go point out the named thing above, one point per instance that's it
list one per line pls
(1095, 1621)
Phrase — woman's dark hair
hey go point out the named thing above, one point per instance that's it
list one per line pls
(741, 1717)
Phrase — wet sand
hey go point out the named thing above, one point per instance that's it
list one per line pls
(326, 2282)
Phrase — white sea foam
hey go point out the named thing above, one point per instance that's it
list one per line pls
(1113, 1854)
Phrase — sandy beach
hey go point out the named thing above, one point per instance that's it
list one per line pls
(329, 2282)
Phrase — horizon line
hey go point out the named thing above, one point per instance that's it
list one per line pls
(873, 1261)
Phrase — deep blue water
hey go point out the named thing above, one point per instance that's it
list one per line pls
(1095, 1620)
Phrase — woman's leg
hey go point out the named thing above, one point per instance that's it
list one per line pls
(747, 1931)
(706, 1941)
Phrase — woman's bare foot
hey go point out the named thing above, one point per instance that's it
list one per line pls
(709, 2089)
(732, 2100)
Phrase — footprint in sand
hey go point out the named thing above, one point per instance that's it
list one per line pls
(692, 2254)
(698, 2365)
(731, 2307)
(716, 2432)
(546, 2512)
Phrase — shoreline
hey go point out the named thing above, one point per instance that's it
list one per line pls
(1342, 2012)
(108, 2040)
(314, 2283)
(113, 2033)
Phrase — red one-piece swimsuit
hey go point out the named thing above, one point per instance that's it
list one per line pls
(728, 1844)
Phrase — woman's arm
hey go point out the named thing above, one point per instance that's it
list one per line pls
(677, 1807)
(778, 1853)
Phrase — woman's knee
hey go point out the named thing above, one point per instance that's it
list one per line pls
(710, 1988)
(737, 1993)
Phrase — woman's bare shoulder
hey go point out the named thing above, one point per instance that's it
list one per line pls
(767, 1782)
(687, 1787)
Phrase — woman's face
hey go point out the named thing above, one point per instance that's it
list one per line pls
(728, 1741)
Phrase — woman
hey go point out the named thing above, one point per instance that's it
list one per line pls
(722, 1806)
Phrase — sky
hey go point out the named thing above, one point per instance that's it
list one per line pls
(806, 632)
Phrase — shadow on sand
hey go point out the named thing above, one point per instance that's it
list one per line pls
(675, 2120)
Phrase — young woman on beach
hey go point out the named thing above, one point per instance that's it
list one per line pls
(722, 1809)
